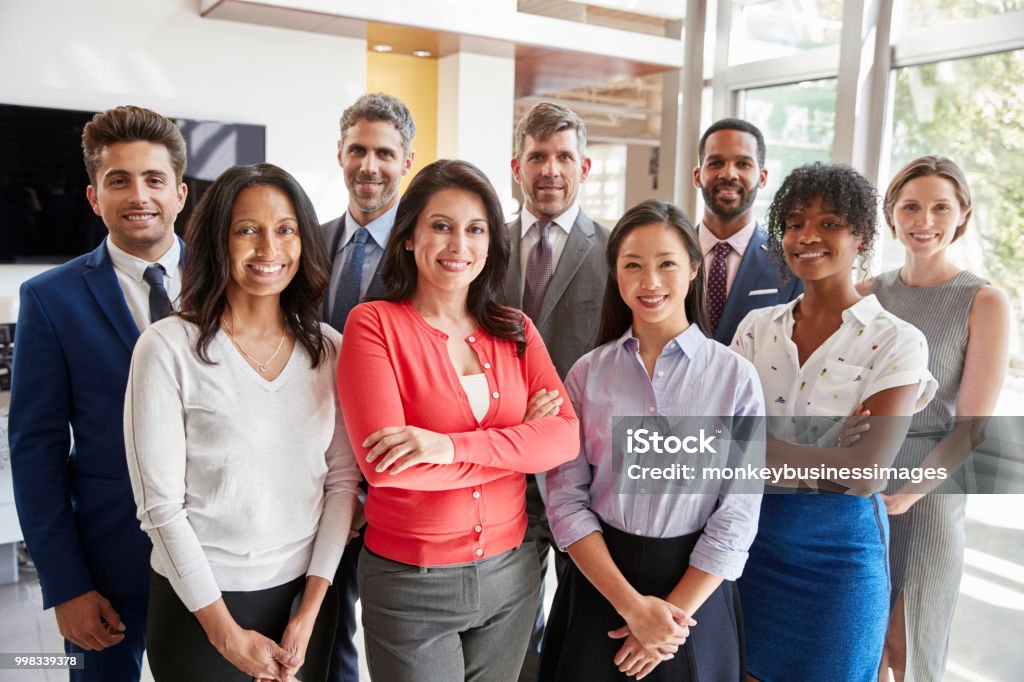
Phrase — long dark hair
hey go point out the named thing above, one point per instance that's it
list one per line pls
(208, 265)
(616, 317)
(399, 272)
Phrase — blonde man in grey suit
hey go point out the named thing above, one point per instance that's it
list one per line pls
(556, 275)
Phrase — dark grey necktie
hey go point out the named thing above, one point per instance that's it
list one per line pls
(538, 270)
(159, 301)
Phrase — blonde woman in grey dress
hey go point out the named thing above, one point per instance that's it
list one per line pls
(966, 322)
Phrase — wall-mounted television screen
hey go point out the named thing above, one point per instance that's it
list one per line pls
(44, 215)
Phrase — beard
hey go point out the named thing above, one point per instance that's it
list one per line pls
(746, 200)
(375, 200)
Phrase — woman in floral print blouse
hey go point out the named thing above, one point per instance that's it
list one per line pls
(815, 591)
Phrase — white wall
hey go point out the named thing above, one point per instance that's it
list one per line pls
(475, 107)
(163, 55)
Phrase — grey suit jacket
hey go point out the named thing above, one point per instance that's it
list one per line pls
(571, 312)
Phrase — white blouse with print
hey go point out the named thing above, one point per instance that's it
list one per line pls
(870, 352)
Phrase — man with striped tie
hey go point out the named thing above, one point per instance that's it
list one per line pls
(556, 275)
(374, 152)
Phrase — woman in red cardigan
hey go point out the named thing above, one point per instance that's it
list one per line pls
(435, 383)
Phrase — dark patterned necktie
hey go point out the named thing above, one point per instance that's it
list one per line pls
(351, 280)
(716, 285)
(159, 301)
(538, 270)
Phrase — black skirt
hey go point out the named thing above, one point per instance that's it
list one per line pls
(576, 642)
(178, 649)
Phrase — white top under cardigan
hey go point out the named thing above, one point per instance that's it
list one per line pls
(241, 483)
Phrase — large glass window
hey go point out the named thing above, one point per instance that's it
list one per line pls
(972, 110)
(798, 123)
(603, 195)
(762, 29)
(917, 14)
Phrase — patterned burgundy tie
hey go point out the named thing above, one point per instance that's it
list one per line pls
(716, 285)
(538, 270)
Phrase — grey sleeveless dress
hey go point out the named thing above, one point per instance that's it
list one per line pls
(927, 542)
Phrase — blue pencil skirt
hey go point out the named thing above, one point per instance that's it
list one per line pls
(815, 590)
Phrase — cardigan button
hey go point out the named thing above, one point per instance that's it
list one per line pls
(476, 494)
(478, 528)
(479, 552)
(471, 339)
(487, 365)
(495, 395)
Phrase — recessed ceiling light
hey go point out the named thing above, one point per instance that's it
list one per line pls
(421, 53)
(382, 48)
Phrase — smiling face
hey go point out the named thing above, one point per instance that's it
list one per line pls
(653, 272)
(137, 197)
(373, 161)
(264, 244)
(450, 242)
(550, 172)
(926, 214)
(729, 176)
(819, 243)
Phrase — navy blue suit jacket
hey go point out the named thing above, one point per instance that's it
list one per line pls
(756, 286)
(72, 351)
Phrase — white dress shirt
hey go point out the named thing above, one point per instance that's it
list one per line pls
(871, 351)
(129, 269)
(531, 236)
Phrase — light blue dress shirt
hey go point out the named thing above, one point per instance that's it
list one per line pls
(693, 376)
(379, 230)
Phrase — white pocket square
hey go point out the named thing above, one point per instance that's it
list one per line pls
(762, 292)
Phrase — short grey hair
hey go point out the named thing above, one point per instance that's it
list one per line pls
(378, 106)
(544, 120)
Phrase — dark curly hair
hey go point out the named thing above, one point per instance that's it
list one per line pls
(843, 189)
(208, 263)
(399, 273)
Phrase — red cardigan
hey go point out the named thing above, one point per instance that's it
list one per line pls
(395, 370)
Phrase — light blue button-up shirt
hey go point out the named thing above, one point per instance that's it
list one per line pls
(693, 376)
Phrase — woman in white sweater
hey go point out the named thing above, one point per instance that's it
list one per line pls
(241, 470)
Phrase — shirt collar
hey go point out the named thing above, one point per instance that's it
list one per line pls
(564, 221)
(134, 267)
(379, 227)
(864, 310)
(690, 341)
(739, 241)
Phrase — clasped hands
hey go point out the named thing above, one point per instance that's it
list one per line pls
(396, 448)
(263, 658)
(654, 631)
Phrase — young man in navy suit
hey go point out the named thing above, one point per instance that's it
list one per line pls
(77, 326)
(374, 152)
(740, 276)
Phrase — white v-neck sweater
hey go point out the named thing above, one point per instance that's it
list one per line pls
(241, 483)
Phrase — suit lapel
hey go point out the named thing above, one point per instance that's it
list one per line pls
(332, 239)
(513, 275)
(102, 283)
(754, 265)
(579, 243)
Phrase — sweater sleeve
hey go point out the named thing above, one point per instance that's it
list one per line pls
(154, 434)
(340, 492)
(370, 400)
(534, 446)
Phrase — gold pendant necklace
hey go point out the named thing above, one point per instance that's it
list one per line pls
(261, 366)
